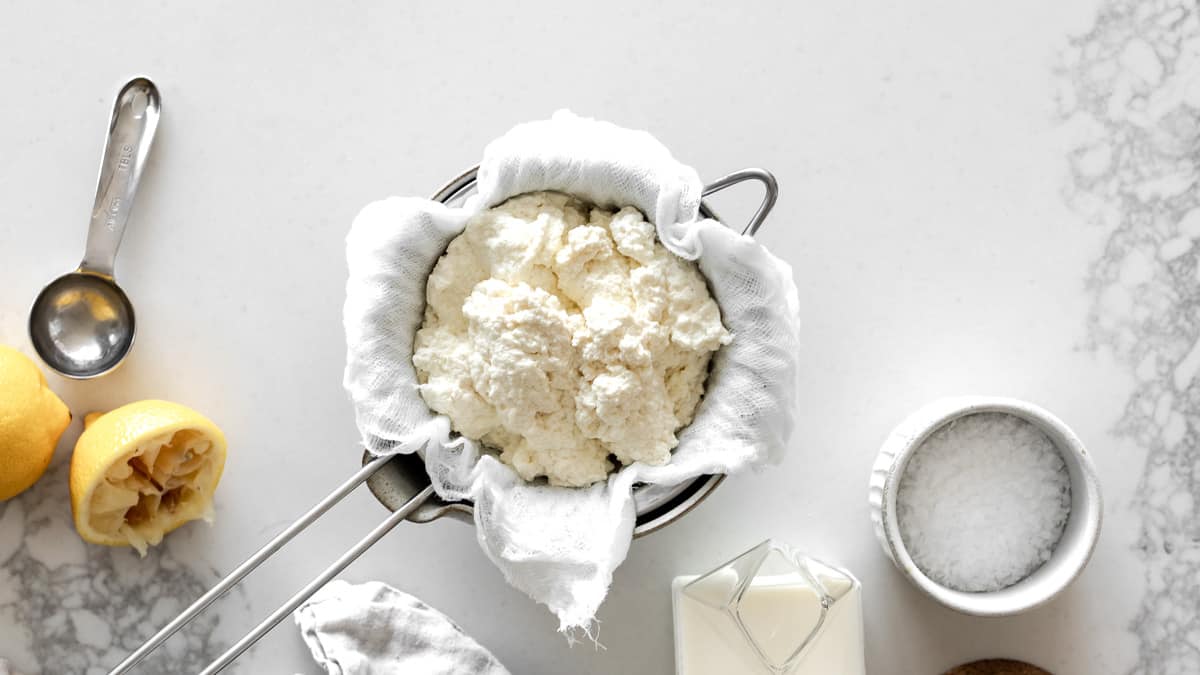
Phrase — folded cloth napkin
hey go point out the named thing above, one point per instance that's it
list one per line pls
(374, 629)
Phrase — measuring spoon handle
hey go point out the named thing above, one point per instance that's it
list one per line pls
(130, 133)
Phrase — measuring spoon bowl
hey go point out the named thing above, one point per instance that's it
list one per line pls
(82, 325)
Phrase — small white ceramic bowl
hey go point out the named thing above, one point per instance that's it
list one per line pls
(1070, 555)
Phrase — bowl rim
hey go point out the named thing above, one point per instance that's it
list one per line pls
(1073, 550)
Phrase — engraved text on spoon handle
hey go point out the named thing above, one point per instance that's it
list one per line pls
(130, 133)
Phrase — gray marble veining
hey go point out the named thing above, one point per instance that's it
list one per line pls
(1131, 97)
(82, 608)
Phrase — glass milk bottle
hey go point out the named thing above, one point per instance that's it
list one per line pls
(769, 611)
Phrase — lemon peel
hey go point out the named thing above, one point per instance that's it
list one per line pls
(32, 419)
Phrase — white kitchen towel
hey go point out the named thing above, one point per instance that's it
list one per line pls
(374, 629)
(561, 545)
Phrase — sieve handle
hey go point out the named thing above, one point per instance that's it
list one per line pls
(316, 584)
(261, 555)
(770, 193)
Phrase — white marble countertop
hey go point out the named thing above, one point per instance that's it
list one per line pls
(976, 198)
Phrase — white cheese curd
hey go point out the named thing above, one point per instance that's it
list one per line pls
(561, 334)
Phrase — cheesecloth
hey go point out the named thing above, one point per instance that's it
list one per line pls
(561, 545)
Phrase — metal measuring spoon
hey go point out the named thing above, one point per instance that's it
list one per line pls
(82, 323)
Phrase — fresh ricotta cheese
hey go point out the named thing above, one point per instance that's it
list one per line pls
(566, 336)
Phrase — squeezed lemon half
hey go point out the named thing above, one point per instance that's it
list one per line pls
(142, 470)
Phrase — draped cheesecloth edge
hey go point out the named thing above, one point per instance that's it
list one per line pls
(561, 545)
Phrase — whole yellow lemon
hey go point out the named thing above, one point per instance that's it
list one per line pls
(32, 418)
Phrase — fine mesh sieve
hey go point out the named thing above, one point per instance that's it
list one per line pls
(401, 484)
